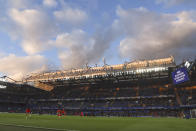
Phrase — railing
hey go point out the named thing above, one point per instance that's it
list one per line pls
(108, 98)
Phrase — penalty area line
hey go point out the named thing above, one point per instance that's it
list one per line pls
(36, 127)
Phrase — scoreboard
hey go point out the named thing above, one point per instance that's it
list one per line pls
(180, 75)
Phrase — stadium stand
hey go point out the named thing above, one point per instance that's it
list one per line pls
(139, 88)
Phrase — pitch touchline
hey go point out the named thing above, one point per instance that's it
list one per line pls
(35, 127)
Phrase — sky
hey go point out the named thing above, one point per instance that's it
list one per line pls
(43, 35)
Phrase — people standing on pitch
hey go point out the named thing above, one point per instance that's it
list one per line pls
(63, 112)
(59, 113)
(28, 113)
(81, 113)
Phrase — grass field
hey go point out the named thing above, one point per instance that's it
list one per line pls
(18, 122)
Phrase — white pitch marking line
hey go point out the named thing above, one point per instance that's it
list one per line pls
(38, 127)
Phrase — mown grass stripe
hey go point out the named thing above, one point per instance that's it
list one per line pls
(35, 127)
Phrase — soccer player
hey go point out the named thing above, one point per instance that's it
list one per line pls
(81, 113)
(59, 114)
(63, 112)
(28, 113)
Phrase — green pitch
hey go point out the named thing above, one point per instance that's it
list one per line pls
(18, 122)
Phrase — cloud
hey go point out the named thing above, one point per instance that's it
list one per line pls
(78, 48)
(50, 3)
(33, 27)
(19, 4)
(145, 35)
(175, 2)
(71, 15)
(38, 30)
(18, 67)
(150, 35)
(75, 47)
(2, 54)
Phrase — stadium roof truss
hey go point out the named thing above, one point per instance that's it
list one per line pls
(147, 69)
